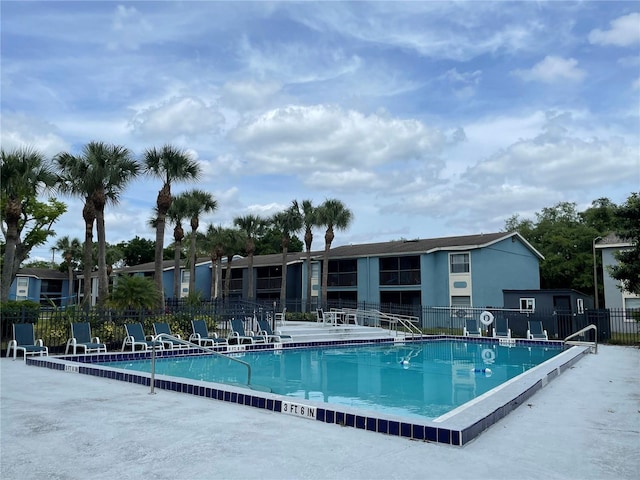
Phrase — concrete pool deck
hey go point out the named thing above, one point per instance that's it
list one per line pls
(583, 424)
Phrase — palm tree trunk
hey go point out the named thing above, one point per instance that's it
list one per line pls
(192, 264)
(89, 216)
(328, 239)
(227, 280)
(176, 268)
(308, 280)
(12, 218)
(157, 275)
(103, 278)
(283, 284)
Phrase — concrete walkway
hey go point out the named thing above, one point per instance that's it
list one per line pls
(585, 424)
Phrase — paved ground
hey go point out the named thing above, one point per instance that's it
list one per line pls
(54, 425)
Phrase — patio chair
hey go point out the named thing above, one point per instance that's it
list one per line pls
(81, 338)
(202, 337)
(163, 328)
(471, 328)
(319, 315)
(135, 336)
(238, 334)
(267, 331)
(536, 331)
(280, 317)
(24, 338)
(501, 329)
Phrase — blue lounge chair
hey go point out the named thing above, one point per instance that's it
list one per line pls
(24, 338)
(536, 331)
(238, 335)
(471, 328)
(135, 336)
(163, 328)
(267, 332)
(202, 337)
(81, 338)
(501, 328)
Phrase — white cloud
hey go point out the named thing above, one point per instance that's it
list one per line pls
(300, 139)
(19, 130)
(623, 32)
(247, 95)
(553, 69)
(177, 116)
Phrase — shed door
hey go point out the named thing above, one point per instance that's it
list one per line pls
(562, 307)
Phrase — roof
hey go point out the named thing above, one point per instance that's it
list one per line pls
(381, 249)
(42, 273)
(429, 245)
(612, 241)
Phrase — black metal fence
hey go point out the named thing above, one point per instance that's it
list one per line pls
(616, 326)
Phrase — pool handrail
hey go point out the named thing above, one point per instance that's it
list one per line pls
(192, 345)
(593, 345)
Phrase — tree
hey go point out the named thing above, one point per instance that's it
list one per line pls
(565, 241)
(334, 215)
(214, 244)
(309, 220)
(134, 292)
(251, 225)
(176, 213)
(71, 251)
(99, 175)
(627, 219)
(199, 202)
(170, 165)
(137, 251)
(234, 240)
(24, 173)
(287, 222)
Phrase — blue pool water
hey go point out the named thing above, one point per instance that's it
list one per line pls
(423, 380)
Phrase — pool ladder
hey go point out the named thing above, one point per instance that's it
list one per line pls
(593, 345)
(166, 336)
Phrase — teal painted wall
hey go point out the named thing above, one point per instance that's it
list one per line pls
(504, 265)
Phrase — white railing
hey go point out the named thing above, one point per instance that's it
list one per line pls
(593, 345)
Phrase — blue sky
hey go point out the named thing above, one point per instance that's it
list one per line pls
(426, 119)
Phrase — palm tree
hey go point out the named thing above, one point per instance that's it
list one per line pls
(170, 165)
(309, 220)
(198, 202)
(99, 175)
(24, 174)
(234, 240)
(134, 293)
(214, 243)
(251, 225)
(287, 222)
(70, 251)
(176, 213)
(332, 214)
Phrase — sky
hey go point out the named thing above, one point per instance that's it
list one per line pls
(426, 119)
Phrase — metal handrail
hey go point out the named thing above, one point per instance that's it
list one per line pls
(404, 320)
(580, 332)
(192, 345)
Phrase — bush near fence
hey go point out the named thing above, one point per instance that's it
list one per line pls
(615, 326)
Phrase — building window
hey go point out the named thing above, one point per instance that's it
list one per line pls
(460, 301)
(459, 262)
(400, 270)
(343, 273)
(580, 305)
(527, 305)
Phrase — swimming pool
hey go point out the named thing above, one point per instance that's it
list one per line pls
(457, 427)
(418, 380)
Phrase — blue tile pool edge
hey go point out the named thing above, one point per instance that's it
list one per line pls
(457, 429)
